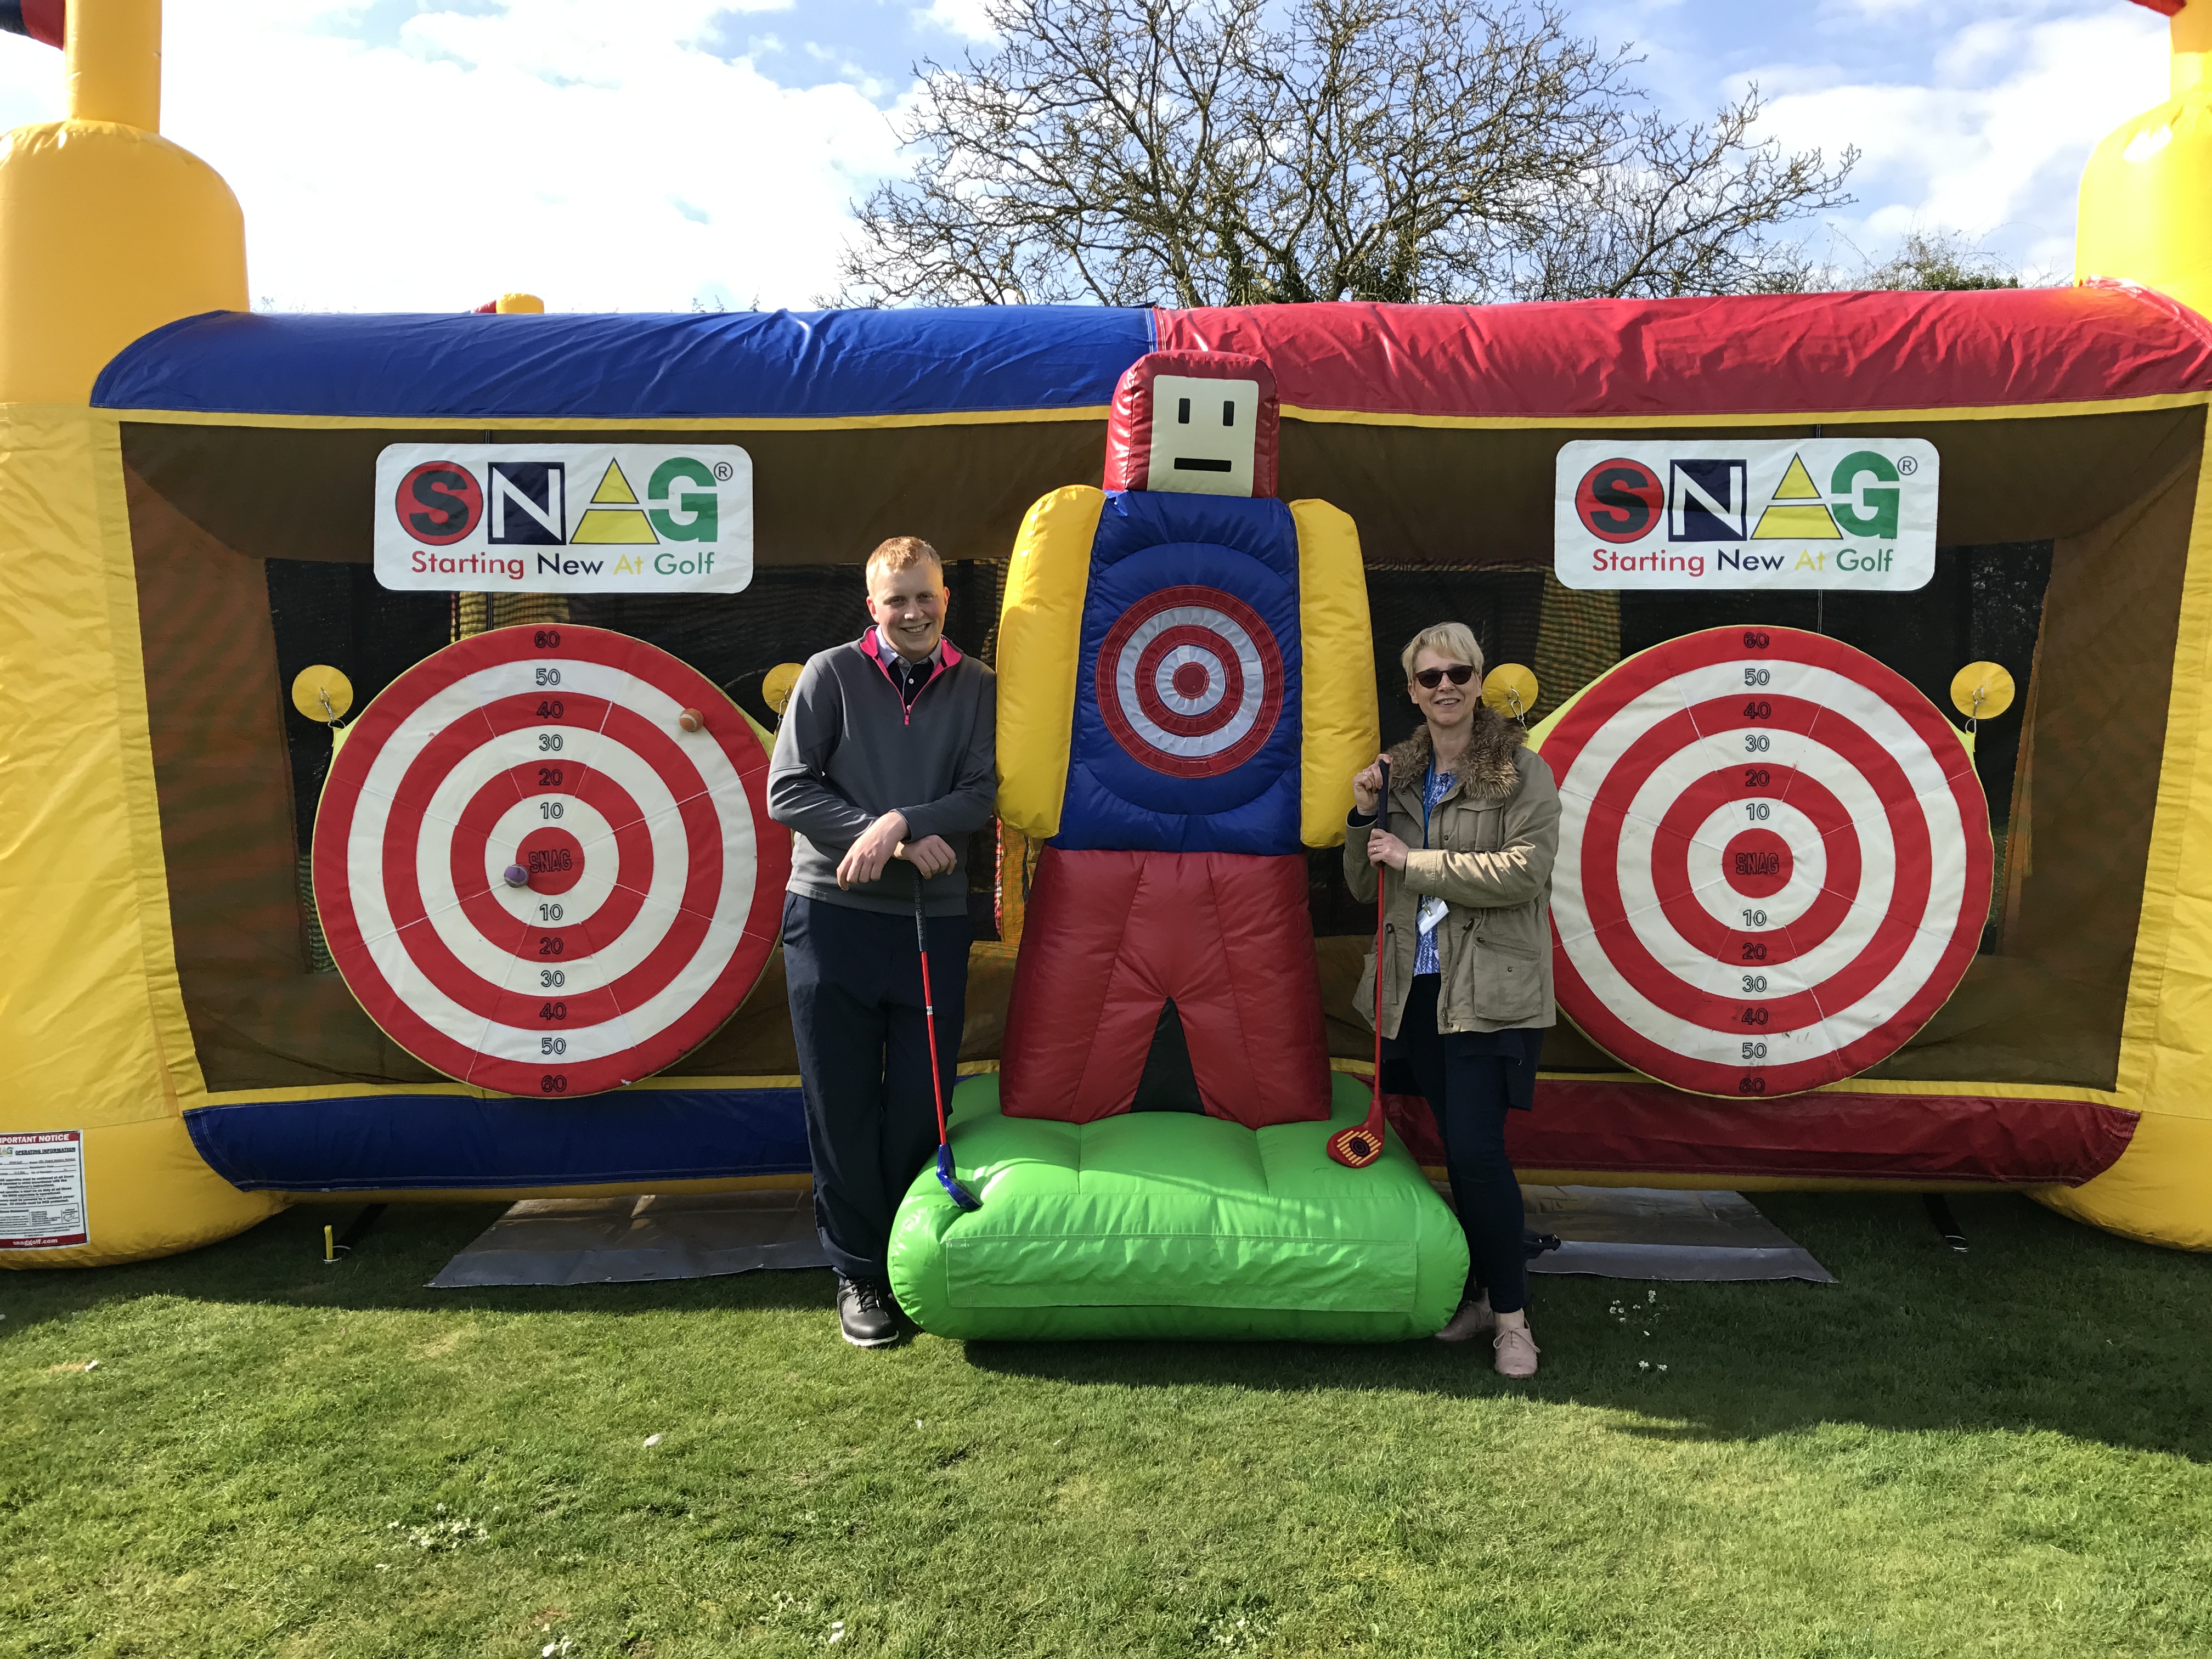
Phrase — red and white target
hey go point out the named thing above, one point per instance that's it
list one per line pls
(1774, 861)
(1190, 682)
(532, 877)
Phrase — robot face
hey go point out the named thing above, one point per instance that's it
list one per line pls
(1205, 435)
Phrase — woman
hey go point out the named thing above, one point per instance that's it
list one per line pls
(1463, 990)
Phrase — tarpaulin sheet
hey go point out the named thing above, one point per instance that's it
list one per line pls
(1752, 354)
(630, 1241)
(768, 364)
(1650, 1233)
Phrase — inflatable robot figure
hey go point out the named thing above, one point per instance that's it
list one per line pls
(1186, 686)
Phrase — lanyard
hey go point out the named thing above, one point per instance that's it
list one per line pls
(1428, 785)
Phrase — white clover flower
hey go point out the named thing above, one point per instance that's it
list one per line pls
(1643, 1364)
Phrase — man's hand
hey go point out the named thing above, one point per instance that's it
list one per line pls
(1384, 848)
(865, 858)
(932, 854)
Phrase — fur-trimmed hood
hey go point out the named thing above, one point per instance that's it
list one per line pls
(1488, 768)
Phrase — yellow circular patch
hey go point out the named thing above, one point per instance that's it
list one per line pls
(322, 693)
(1988, 679)
(776, 686)
(1509, 689)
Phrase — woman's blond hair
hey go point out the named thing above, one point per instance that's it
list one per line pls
(1452, 639)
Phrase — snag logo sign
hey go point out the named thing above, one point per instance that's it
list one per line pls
(564, 518)
(1766, 513)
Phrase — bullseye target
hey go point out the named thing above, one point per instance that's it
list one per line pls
(533, 876)
(1190, 682)
(1774, 861)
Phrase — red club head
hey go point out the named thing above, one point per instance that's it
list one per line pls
(1194, 423)
(1356, 1147)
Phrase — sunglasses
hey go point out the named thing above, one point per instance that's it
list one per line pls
(1459, 674)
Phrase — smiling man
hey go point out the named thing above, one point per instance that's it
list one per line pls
(885, 764)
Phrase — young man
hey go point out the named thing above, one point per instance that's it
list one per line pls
(884, 766)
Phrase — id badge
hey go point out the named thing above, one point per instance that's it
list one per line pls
(1432, 912)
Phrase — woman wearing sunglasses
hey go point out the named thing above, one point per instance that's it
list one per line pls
(1463, 991)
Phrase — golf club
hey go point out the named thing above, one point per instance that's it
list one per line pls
(946, 1178)
(1362, 1144)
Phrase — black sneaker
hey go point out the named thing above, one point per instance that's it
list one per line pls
(867, 1315)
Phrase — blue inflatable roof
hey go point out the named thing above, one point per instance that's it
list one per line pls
(820, 364)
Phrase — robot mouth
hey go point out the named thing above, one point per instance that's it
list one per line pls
(1185, 463)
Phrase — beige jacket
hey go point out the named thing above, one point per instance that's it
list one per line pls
(1492, 841)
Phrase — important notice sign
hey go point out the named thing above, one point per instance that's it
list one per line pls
(1788, 513)
(564, 517)
(42, 1190)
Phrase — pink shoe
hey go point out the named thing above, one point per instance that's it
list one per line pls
(1516, 1351)
(1473, 1319)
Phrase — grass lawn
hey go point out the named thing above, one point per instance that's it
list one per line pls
(2000, 1453)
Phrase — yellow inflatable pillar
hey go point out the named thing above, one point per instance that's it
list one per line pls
(2146, 216)
(107, 230)
(2146, 209)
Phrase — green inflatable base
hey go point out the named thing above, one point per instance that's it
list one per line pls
(1157, 1225)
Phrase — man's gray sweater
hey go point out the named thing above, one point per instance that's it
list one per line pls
(850, 750)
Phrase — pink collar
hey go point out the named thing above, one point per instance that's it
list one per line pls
(947, 654)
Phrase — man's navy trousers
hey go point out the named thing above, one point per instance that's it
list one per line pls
(856, 1009)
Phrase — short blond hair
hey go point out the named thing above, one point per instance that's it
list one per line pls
(1452, 639)
(900, 553)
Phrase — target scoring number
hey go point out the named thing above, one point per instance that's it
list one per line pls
(1774, 861)
(650, 872)
(1190, 682)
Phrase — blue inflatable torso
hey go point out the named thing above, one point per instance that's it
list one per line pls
(1186, 707)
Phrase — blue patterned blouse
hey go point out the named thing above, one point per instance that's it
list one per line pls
(1424, 949)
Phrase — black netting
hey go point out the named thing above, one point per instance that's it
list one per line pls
(337, 613)
(1503, 607)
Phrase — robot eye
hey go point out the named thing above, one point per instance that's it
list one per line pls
(1182, 410)
(1228, 413)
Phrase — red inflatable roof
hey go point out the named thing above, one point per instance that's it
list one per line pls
(1807, 353)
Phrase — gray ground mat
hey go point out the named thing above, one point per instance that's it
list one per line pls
(623, 1241)
(1650, 1233)
(1611, 1232)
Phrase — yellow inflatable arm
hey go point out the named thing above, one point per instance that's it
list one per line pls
(1338, 644)
(1040, 636)
(2142, 215)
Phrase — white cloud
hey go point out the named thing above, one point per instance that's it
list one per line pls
(588, 153)
(968, 18)
(1994, 144)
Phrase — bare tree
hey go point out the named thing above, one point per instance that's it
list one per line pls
(1210, 152)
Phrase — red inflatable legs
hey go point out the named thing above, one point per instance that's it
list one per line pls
(1110, 938)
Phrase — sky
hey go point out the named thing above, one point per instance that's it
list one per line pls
(663, 154)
